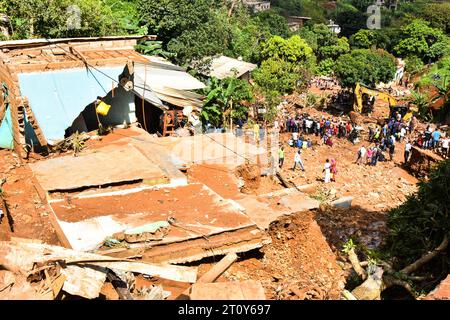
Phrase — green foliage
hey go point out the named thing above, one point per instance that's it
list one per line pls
(423, 41)
(440, 70)
(413, 64)
(153, 48)
(47, 18)
(277, 75)
(325, 67)
(207, 39)
(223, 100)
(438, 15)
(273, 23)
(422, 102)
(170, 19)
(349, 18)
(368, 67)
(308, 8)
(363, 39)
(420, 224)
(293, 50)
(325, 43)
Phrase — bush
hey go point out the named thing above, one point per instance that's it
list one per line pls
(420, 224)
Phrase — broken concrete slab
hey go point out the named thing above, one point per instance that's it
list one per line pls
(104, 166)
(299, 202)
(245, 290)
(342, 203)
(260, 212)
(201, 223)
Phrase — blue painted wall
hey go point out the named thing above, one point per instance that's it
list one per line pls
(58, 97)
(6, 132)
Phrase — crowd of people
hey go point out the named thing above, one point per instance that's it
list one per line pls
(433, 139)
(382, 139)
(327, 128)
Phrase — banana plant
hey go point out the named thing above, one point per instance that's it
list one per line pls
(223, 100)
(154, 48)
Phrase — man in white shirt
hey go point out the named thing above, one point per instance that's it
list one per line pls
(298, 160)
(295, 138)
(361, 155)
(407, 150)
(445, 147)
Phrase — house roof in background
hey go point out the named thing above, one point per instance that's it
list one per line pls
(223, 67)
(35, 55)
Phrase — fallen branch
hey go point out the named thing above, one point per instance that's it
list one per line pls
(214, 273)
(390, 281)
(356, 265)
(427, 257)
(348, 295)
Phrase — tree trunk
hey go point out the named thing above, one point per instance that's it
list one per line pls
(427, 257)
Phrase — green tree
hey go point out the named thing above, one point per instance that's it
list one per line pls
(224, 100)
(423, 41)
(325, 43)
(294, 49)
(363, 39)
(49, 19)
(170, 19)
(438, 15)
(413, 64)
(368, 67)
(273, 23)
(325, 67)
(349, 18)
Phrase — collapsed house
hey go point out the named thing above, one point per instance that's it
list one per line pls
(50, 89)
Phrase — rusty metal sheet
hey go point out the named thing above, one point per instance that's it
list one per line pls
(112, 164)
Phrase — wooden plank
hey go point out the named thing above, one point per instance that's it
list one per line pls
(213, 274)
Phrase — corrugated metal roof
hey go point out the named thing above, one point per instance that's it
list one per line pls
(159, 76)
(223, 67)
(40, 42)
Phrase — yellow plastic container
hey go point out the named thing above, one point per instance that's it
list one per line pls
(103, 108)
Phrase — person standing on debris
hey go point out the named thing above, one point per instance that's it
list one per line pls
(281, 156)
(445, 147)
(376, 151)
(327, 171)
(391, 151)
(298, 160)
(407, 151)
(436, 135)
(333, 169)
(361, 155)
(295, 138)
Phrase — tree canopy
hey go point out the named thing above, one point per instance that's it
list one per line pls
(368, 67)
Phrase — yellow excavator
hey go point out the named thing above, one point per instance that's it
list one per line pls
(393, 105)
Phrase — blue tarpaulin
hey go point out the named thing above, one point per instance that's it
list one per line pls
(58, 97)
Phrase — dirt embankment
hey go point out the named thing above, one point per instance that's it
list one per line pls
(298, 264)
(421, 161)
(29, 214)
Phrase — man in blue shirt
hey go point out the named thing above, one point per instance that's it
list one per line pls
(436, 136)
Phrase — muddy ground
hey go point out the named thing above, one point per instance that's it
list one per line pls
(304, 260)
